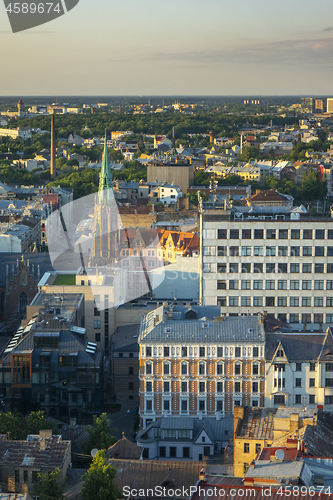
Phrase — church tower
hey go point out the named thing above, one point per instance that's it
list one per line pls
(105, 217)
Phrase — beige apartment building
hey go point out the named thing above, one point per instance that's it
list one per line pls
(194, 362)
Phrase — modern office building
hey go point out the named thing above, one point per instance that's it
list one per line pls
(268, 258)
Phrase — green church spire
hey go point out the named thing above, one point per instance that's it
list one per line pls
(105, 175)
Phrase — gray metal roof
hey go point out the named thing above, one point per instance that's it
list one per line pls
(231, 329)
(297, 347)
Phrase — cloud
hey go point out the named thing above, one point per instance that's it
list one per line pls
(328, 29)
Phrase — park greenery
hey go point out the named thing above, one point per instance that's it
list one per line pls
(16, 426)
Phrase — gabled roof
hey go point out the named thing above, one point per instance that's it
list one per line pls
(268, 195)
(297, 347)
(326, 353)
(124, 449)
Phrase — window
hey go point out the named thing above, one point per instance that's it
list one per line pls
(202, 387)
(184, 352)
(148, 369)
(307, 234)
(97, 337)
(149, 386)
(319, 285)
(312, 382)
(279, 400)
(97, 312)
(166, 351)
(246, 234)
(233, 284)
(282, 267)
(246, 448)
(221, 285)
(246, 301)
(306, 285)
(219, 387)
(294, 301)
(283, 234)
(256, 352)
(319, 268)
(34, 476)
(219, 405)
(186, 452)
(173, 452)
(246, 284)
(255, 387)
(237, 369)
(329, 251)
(166, 386)
(307, 251)
(312, 367)
(237, 352)
(312, 399)
(202, 405)
(258, 234)
(233, 267)
(298, 399)
(257, 267)
(130, 370)
(221, 234)
(255, 369)
(282, 284)
(294, 268)
(329, 367)
(202, 368)
(246, 268)
(246, 251)
(17, 476)
(294, 318)
(166, 368)
(318, 318)
(258, 251)
(330, 234)
(318, 302)
(270, 234)
(221, 251)
(330, 268)
(329, 301)
(130, 386)
(270, 284)
(25, 476)
(221, 301)
(184, 369)
(237, 387)
(294, 284)
(233, 251)
(329, 318)
(283, 251)
(270, 301)
(184, 406)
(270, 267)
(202, 352)
(298, 382)
(234, 234)
(320, 234)
(257, 284)
(149, 405)
(258, 448)
(306, 318)
(306, 268)
(162, 451)
(306, 301)
(221, 268)
(97, 324)
(270, 251)
(219, 351)
(294, 251)
(257, 301)
(219, 369)
(282, 301)
(295, 234)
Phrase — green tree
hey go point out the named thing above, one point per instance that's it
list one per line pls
(98, 481)
(50, 486)
(99, 434)
(16, 426)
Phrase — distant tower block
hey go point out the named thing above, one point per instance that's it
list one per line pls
(211, 136)
(20, 106)
(53, 166)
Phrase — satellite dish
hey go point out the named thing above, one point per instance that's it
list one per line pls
(279, 454)
(94, 452)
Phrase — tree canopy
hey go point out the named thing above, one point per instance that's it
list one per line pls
(98, 482)
(50, 486)
(16, 426)
(100, 436)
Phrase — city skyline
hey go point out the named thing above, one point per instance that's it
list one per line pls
(184, 49)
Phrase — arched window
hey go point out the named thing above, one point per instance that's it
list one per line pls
(23, 303)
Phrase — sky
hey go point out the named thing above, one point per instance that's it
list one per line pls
(174, 47)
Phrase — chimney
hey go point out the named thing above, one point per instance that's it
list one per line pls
(42, 444)
(53, 169)
(45, 433)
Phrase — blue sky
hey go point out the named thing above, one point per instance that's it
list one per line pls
(154, 47)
